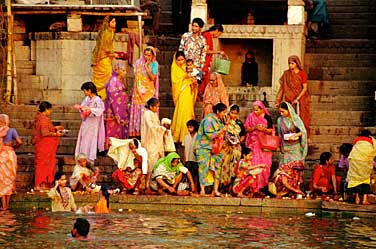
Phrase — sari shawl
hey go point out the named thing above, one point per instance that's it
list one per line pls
(361, 162)
(116, 109)
(252, 141)
(294, 152)
(210, 165)
(8, 170)
(91, 136)
(152, 137)
(163, 168)
(208, 59)
(243, 180)
(102, 55)
(82, 175)
(45, 148)
(231, 150)
(292, 85)
(214, 95)
(143, 90)
(184, 100)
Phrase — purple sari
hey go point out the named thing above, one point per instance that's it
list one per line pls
(116, 109)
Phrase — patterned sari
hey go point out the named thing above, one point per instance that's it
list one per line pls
(252, 141)
(210, 165)
(143, 89)
(8, 170)
(45, 148)
(184, 97)
(291, 159)
(116, 109)
(243, 180)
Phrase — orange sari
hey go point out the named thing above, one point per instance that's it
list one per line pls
(45, 148)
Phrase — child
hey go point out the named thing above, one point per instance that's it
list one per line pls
(324, 181)
(91, 135)
(103, 205)
(194, 73)
(249, 70)
(189, 157)
(168, 140)
(80, 229)
(62, 198)
(345, 150)
(83, 174)
(12, 138)
(246, 173)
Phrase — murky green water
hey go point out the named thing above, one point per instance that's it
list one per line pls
(185, 230)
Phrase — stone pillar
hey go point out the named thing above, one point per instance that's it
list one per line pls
(199, 8)
(74, 22)
(295, 12)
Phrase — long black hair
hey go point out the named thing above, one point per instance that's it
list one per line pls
(44, 106)
(106, 194)
(89, 86)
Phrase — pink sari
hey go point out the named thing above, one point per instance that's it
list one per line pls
(252, 142)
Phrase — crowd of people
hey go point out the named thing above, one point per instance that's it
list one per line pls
(222, 155)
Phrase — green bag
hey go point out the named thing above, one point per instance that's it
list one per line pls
(222, 64)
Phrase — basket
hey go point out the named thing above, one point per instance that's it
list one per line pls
(222, 64)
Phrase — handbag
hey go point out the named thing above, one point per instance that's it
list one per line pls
(222, 64)
(217, 145)
(269, 142)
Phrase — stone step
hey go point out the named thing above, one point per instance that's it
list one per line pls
(353, 31)
(342, 118)
(342, 88)
(339, 73)
(338, 103)
(343, 60)
(341, 46)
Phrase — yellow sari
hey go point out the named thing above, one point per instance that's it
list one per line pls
(102, 61)
(184, 96)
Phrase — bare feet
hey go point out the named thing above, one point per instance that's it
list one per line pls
(357, 199)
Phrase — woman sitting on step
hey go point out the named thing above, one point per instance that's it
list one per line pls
(167, 174)
(288, 177)
(83, 174)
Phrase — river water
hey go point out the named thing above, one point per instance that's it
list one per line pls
(178, 229)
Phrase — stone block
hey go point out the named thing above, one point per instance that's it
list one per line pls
(74, 23)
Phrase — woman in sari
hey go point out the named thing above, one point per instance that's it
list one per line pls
(103, 54)
(8, 166)
(361, 166)
(294, 90)
(288, 176)
(91, 135)
(258, 122)
(231, 150)
(83, 174)
(116, 106)
(167, 174)
(152, 133)
(210, 164)
(146, 86)
(45, 140)
(215, 93)
(213, 32)
(184, 88)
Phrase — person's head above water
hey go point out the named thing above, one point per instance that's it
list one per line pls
(81, 228)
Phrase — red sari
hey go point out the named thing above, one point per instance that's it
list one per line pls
(292, 85)
(45, 148)
(206, 69)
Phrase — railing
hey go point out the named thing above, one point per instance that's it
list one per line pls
(123, 3)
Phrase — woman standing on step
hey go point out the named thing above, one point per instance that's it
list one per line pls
(184, 94)
(45, 140)
(146, 86)
(210, 134)
(91, 135)
(288, 177)
(8, 165)
(215, 92)
(294, 90)
(257, 123)
(103, 54)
